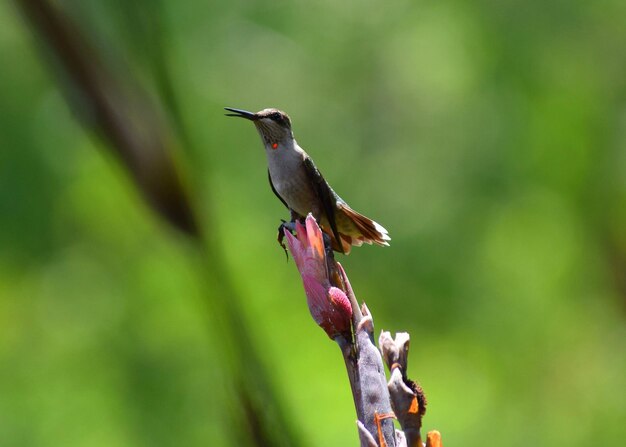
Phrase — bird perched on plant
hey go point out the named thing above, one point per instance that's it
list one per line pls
(298, 183)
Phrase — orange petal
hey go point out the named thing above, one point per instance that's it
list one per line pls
(433, 439)
(316, 240)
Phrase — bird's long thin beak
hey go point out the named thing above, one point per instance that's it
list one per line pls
(241, 113)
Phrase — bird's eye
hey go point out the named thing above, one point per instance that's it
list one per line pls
(276, 116)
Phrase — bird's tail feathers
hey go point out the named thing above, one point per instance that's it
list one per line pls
(371, 232)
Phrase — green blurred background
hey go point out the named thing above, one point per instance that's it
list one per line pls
(489, 138)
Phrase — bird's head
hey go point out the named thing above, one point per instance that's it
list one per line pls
(273, 125)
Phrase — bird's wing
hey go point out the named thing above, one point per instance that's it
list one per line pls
(269, 177)
(325, 194)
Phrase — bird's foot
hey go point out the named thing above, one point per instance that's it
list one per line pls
(289, 226)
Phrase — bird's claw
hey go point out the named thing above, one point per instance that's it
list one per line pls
(284, 225)
(291, 227)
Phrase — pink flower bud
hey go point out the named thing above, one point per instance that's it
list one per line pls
(329, 305)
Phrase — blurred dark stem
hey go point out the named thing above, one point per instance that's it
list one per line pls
(150, 34)
(127, 122)
(143, 137)
(258, 403)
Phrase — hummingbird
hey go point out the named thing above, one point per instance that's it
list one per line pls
(300, 186)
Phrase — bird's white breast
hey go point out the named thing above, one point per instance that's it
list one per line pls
(289, 178)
